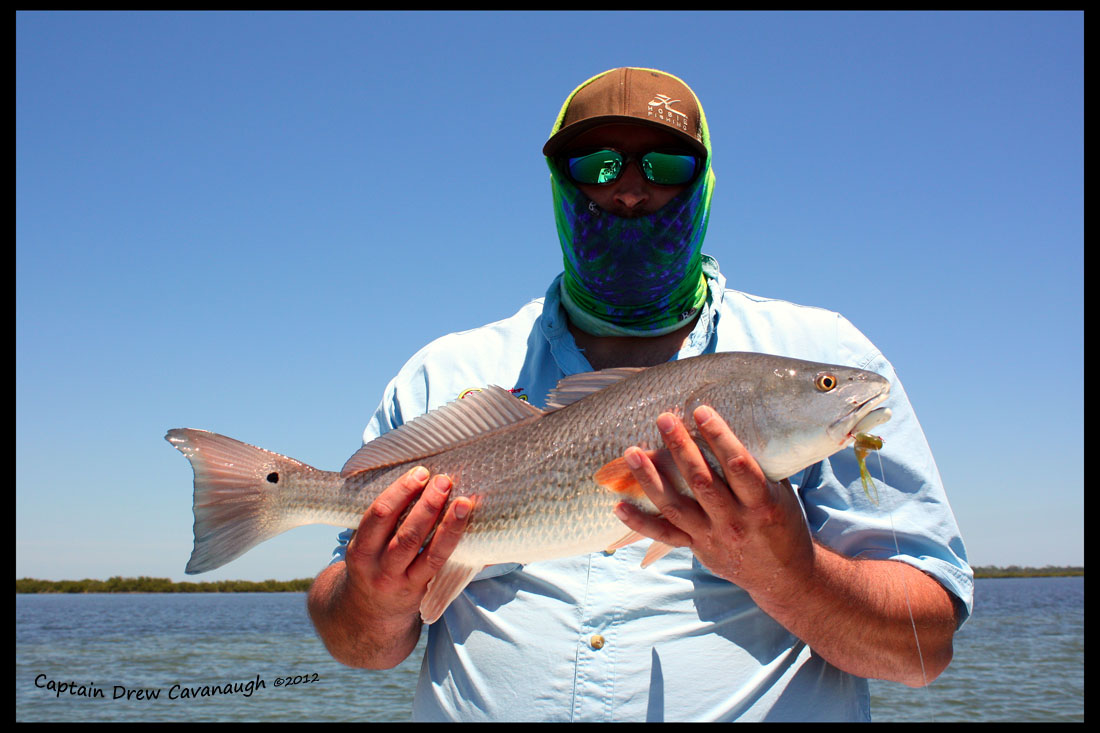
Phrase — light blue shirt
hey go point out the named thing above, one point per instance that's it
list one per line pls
(675, 642)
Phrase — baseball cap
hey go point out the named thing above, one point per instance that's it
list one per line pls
(635, 95)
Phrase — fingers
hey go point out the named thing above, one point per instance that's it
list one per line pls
(411, 533)
(391, 534)
(743, 474)
(654, 527)
(387, 565)
(745, 484)
(379, 521)
(690, 462)
(733, 529)
(679, 510)
(444, 542)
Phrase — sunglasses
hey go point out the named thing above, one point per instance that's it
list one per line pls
(607, 165)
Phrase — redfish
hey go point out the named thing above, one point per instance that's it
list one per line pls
(543, 481)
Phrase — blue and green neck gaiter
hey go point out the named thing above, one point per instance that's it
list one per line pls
(632, 276)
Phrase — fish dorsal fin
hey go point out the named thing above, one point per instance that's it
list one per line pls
(575, 386)
(475, 415)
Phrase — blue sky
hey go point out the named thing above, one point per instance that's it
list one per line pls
(246, 222)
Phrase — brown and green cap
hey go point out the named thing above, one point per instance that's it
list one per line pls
(630, 94)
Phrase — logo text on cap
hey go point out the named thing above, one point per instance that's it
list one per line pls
(660, 108)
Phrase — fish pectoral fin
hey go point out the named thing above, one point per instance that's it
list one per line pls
(617, 477)
(655, 552)
(451, 579)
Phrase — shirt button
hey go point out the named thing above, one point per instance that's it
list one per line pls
(596, 642)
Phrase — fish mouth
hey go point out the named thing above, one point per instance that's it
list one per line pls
(870, 420)
(862, 417)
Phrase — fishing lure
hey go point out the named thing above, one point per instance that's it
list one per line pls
(864, 444)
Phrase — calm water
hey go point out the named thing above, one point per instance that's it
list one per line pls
(1021, 657)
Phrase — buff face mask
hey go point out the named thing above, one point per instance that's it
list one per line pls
(632, 276)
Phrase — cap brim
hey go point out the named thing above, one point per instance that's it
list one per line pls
(563, 137)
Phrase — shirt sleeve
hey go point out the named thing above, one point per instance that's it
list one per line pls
(904, 515)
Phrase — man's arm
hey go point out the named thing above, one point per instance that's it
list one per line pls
(857, 614)
(367, 609)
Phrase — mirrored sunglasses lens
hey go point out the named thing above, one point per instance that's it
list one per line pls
(600, 167)
(669, 169)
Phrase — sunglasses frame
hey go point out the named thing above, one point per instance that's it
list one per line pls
(563, 163)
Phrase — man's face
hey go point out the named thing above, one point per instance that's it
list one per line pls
(631, 195)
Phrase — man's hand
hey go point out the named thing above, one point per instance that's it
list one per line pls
(384, 563)
(367, 609)
(873, 618)
(750, 531)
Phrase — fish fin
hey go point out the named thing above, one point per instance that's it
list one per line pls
(616, 477)
(628, 539)
(575, 386)
(451, 579)
(655, 552)
(474, 416)
(235, 486)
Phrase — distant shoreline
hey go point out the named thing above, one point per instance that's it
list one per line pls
(144, 584)
(1014, 571)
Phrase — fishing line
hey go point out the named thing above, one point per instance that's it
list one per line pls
(904, 583)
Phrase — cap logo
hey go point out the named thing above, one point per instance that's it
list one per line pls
(660, 108)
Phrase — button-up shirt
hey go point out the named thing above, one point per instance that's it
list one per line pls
(596, 637)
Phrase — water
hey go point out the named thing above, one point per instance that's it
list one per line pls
(125, 643)
(1021, 658)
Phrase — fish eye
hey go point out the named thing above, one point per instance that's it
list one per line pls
(825, 382)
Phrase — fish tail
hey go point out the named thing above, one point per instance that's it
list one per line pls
(237, 492)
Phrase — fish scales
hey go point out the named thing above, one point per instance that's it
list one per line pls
(531, 472)
(543, 483)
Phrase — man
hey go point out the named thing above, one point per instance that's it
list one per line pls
(780, 598)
